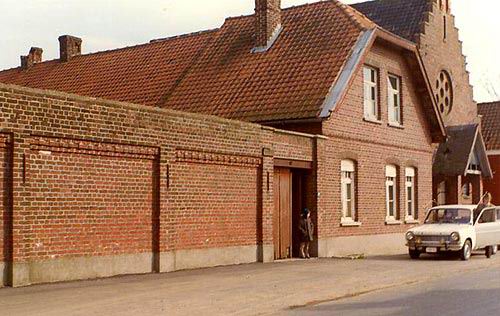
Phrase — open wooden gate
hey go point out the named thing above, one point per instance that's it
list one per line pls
(282, 219)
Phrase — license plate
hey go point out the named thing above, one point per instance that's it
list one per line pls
(431, 250)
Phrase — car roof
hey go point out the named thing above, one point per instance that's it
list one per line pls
(462, 206)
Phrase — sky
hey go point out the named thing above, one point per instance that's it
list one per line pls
(108, 24)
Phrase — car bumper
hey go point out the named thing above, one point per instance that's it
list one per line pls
(446, 246)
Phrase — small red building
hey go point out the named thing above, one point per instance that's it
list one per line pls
(491, 131)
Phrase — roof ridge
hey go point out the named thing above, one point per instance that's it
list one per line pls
(355, 16)
(164, 39)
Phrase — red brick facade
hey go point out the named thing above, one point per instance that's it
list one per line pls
(373, 146)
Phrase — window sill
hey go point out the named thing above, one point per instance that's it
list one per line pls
(411, 221)
(395, 125)
(393, 222)
(344, 222)
(374, 121)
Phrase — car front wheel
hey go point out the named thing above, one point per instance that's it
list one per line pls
(414, 254)
(466, 251)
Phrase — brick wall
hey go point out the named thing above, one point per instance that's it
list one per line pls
(95, 178)
(372, 146)
(218, 204)
(441, 53)
(88, 202)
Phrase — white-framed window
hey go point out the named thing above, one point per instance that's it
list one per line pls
(391, 187)
(348, 169)
(370, 79)
(394, 99)
(410, 193)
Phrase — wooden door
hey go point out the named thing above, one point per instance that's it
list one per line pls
(282, 218)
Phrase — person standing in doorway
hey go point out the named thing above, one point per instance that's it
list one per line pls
(486, 202)
(307, 233)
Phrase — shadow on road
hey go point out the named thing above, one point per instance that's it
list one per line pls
(425, 257)
(435, 302)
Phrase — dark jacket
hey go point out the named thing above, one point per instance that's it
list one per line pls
(307, 229)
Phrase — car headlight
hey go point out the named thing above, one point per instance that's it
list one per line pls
(455, 236)
(410, 236)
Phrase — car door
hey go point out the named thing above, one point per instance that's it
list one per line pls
(487, 228)
(497, 234)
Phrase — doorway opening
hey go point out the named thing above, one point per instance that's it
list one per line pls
(290, 198)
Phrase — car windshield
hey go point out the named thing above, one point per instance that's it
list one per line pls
(448, 216)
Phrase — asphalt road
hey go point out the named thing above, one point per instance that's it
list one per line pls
(471, 293)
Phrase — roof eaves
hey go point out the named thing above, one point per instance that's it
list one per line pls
(339, 87)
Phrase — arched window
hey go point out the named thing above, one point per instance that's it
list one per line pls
(410, 183)
(348, 190)
(390, 188)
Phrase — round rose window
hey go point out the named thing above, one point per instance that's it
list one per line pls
(444, 93)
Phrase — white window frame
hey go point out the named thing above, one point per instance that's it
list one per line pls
(410, 198)
(391, 180)
(370, 94)
(394, 101)
(348, 177)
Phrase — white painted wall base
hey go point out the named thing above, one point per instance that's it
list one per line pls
(203, 258)
(66, 269)
(369, 245)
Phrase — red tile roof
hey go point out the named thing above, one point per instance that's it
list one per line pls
(140, 74)
(401, 17)
(215, 72)
(490, 124)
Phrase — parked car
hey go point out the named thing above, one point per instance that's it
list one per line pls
(455, 228)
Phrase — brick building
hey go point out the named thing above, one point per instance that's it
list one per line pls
(491, 131)
(341, 109)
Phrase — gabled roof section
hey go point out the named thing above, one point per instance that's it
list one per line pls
(490, 124)
(288, 82)
(401, 17)
(140, 74)
(215, 72)
(454, 156)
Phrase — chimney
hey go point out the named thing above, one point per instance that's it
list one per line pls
(34, 57)
(69, 47)
(267, 23)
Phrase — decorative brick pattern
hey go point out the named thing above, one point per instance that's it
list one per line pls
(216, 158)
